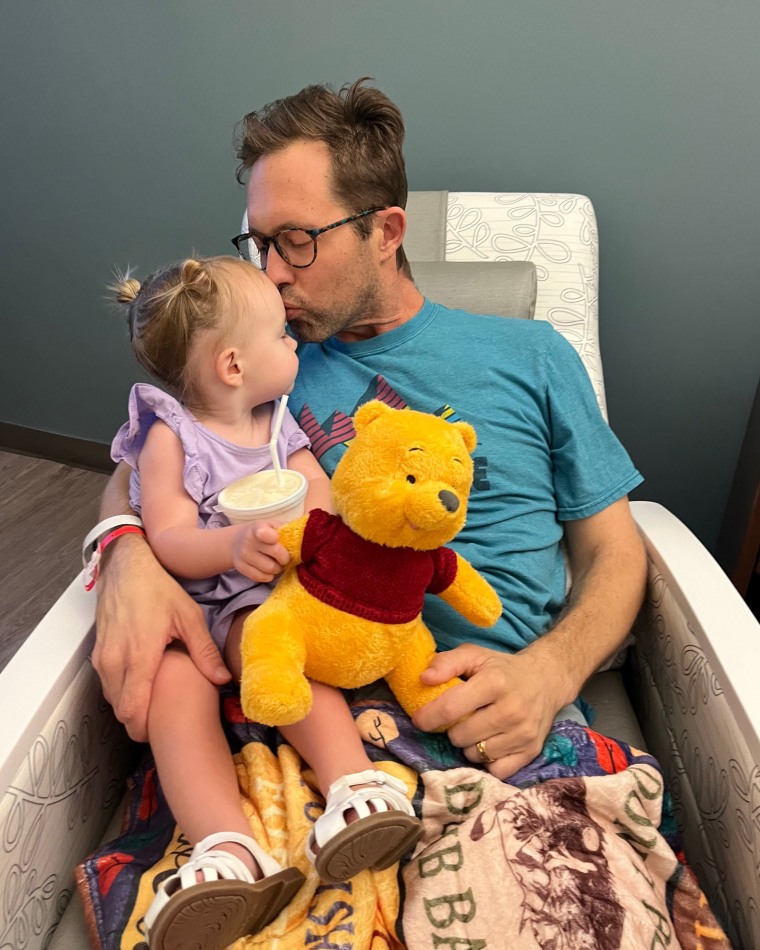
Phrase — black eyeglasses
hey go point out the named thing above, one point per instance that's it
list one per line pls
(296, 246)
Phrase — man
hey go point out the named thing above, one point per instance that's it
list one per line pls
(326, 193)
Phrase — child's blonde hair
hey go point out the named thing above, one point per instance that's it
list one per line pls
(168, 309)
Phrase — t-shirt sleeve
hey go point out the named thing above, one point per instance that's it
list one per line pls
(590, 467)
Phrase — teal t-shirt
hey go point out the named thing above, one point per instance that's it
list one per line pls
(545, 454)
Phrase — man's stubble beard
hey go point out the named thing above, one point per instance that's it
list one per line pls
(319, 325)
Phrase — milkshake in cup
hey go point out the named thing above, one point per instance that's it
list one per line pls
(264, 496)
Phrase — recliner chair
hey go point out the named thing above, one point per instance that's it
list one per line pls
(687, 688)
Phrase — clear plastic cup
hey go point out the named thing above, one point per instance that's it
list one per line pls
(258, 497)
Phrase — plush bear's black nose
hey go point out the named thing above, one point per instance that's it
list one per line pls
(449, 500)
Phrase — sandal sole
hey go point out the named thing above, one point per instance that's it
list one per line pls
(375, 842)
(211, 915)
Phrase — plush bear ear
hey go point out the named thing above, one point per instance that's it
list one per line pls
(468, 434)
(369, 412)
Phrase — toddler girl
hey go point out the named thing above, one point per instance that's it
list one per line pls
(213, 332)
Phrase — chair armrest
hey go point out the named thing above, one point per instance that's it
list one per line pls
(693, 683)
(40, 672)
(726, 629)
(63, 761)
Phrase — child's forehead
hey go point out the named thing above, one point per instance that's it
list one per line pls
(256, 300)
(249, 276)
(240, 272)
(247, 283)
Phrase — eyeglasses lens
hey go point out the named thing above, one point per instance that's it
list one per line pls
(294, 246)
(250, 252)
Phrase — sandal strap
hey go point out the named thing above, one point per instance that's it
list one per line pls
(213, 865)
(367, 777)
(382, 791)
(205, 847)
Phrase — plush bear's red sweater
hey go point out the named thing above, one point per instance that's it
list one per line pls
(369, 580)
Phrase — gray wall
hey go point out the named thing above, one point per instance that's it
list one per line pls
(117, 124)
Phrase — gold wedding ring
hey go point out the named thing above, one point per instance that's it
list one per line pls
(484, 756)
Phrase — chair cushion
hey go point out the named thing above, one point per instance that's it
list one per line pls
(503, 288)
(425, 238)
(606, 694)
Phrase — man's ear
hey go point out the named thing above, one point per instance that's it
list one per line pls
(393, 224)
(228, 367)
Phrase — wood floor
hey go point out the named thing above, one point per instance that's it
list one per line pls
(45, 511)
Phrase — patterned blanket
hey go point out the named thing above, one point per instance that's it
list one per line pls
(578, 850)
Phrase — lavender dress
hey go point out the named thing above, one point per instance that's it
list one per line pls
(211, 463)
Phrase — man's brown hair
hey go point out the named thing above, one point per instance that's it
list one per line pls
(361, 127)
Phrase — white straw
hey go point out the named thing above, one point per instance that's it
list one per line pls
(275, 435)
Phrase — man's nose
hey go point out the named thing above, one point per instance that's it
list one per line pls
(276, 269)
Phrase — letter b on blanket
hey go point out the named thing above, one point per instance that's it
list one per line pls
(443, 911)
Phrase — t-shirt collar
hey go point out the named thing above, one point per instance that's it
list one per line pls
(391, 338)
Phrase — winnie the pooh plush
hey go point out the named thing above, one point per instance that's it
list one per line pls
(347, 609)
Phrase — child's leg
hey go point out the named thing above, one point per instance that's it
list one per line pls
(192, 755)
(227, 888)
(328, 738)
(368, 821)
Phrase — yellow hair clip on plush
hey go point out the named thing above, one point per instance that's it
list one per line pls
(347, 610)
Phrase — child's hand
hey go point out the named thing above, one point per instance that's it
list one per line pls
(257, 552)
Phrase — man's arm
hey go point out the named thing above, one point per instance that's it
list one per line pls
(510, 701)
(141, 609)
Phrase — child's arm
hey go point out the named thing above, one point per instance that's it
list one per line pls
(261, 549)
(170, 517)
(318, 492)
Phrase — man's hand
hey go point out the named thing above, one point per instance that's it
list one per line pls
(141, 609)
(508, 702)
(257, 552)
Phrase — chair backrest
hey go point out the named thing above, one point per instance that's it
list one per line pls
(502, 288)
(556, 233)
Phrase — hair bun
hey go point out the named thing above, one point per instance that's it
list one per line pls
(195, 277)
(125, 289)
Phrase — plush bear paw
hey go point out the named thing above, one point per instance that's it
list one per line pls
(275, 697)
(422, 695)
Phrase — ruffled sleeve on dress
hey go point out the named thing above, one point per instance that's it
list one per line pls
(146, 404)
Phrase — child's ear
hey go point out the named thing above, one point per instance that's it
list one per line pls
(229, 368)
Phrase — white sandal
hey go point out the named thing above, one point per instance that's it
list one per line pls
(385, 829)
(227, 904)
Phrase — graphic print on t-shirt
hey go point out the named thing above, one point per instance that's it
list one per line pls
(338, 428)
